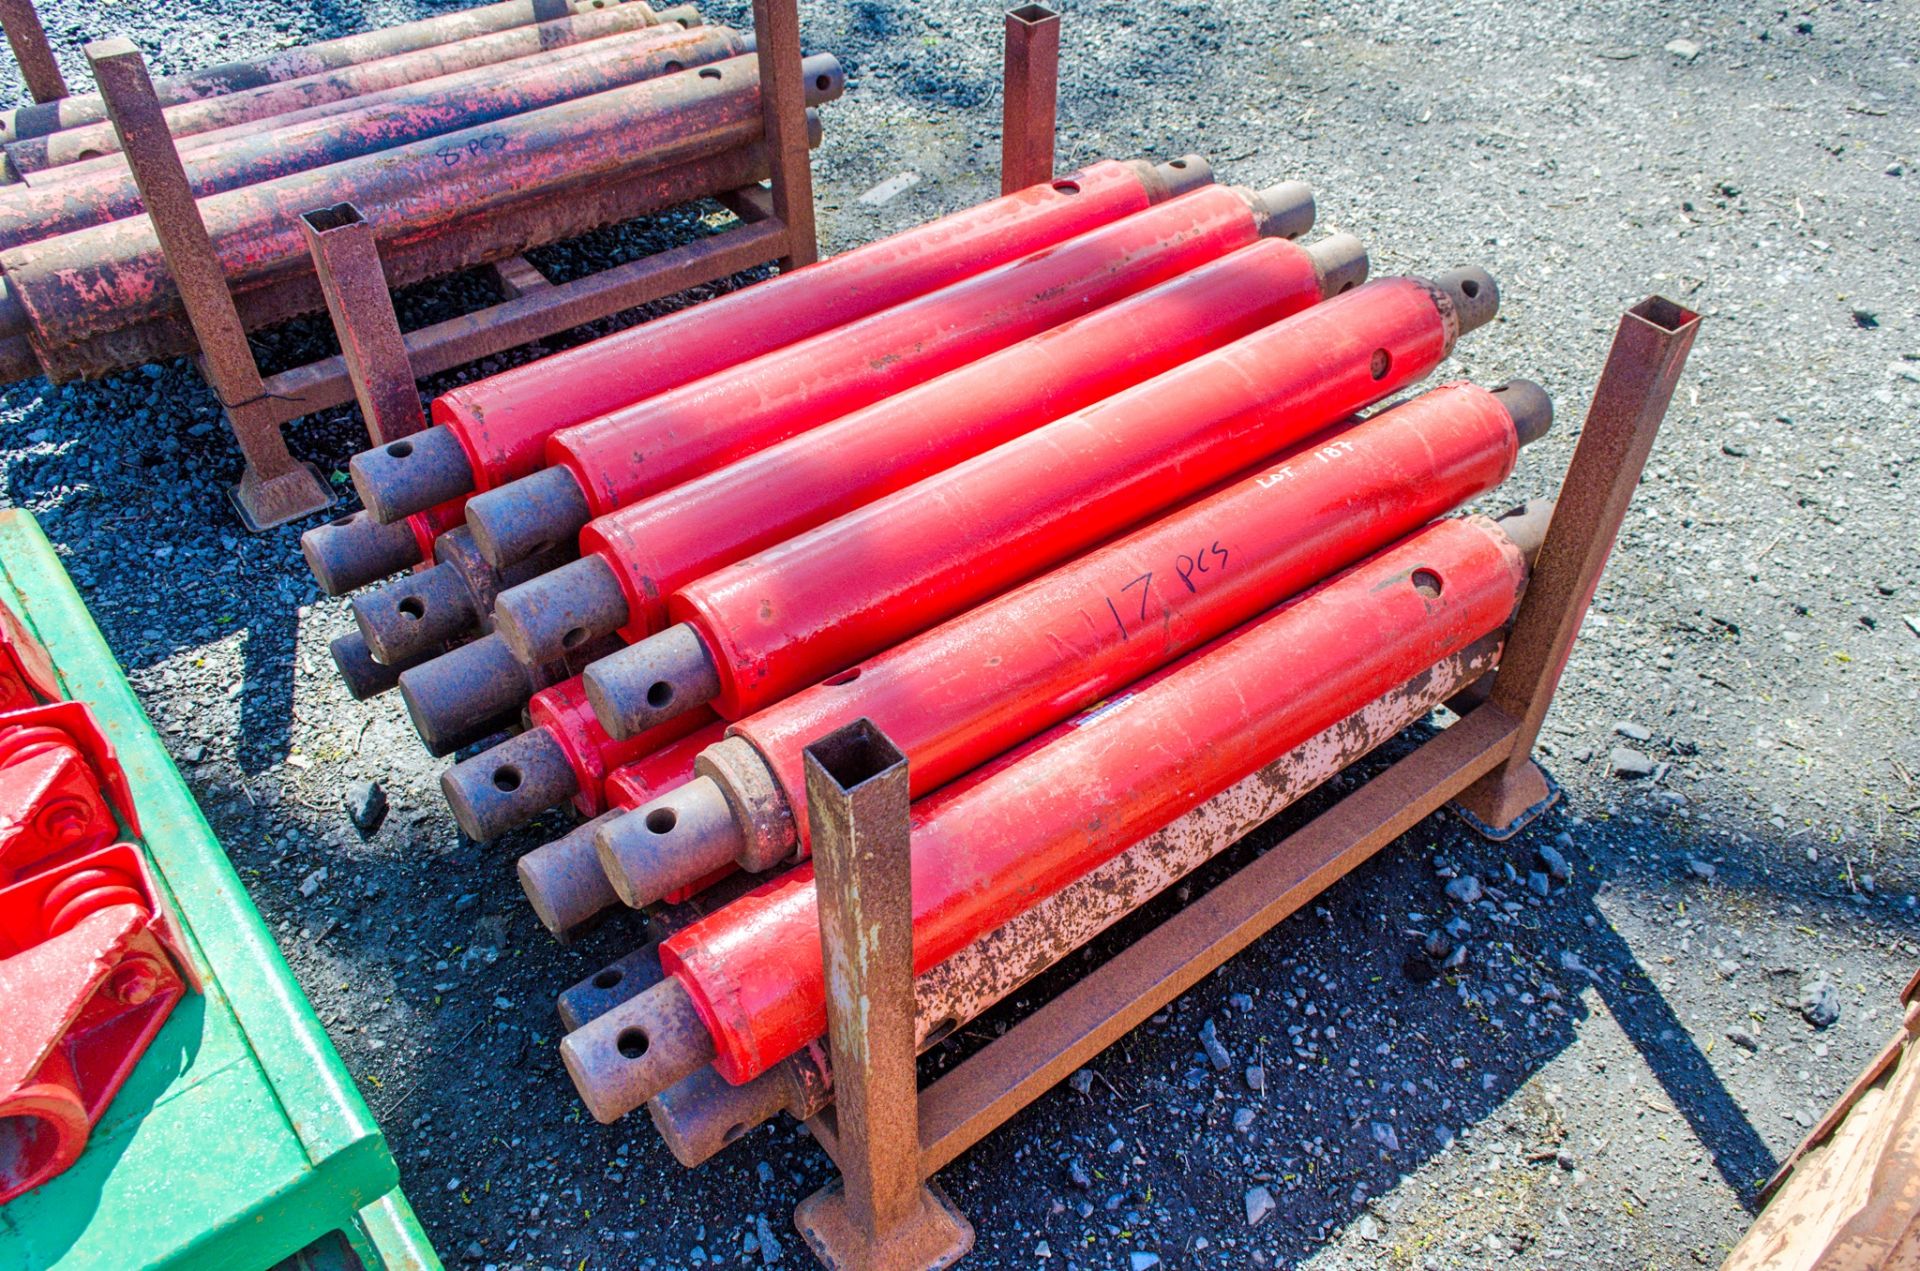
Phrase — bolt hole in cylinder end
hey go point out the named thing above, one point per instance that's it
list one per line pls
(501, 789)
(648, 683)
(526, 517)
(414, 613)
(1530, 407)
(1285, 210)
(411, 475)
(563, 879)
(546, 618)
(636, 1050)
(681, 837)
(1475, 295)
(348, 553)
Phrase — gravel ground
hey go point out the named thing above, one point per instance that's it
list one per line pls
(1597, 1076)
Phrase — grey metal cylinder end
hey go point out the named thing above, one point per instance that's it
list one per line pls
(1184, 175)
(412, 474)
(703, 1113)
(526, 517)
(549, 617)
(1475, 295)
(636, 1050)
(348, 553)
(469, 693)
(415, 614)
(365, 676)
(1285, 210)
(1340, 262)
(652, 681)
(621, 980)
(1531, 408)
(1527, 525)
(563, 879)
(502, 788)
(680, 838)
(823, 77)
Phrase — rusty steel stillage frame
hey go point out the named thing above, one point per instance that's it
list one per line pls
(1030, 97)
(889, 1142)
(379, 365)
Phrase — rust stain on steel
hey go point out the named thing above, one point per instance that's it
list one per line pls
(1643, 367)
(347, 264)
(1032, 84)
(995, 966)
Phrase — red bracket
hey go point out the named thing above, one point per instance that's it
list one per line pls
(90, 967)
(27, 676)
(62, 791)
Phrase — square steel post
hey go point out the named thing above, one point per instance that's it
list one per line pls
(1029, 97)
(783, 105)
(31, 50)
(348, 263)
(1649, 350)
(275, 488)
(881, 1216)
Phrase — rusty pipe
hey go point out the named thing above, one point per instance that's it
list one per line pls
(91, 283)
(466, 236)
(95, 137)
(495, 430)
(446, 104)
(295, 63)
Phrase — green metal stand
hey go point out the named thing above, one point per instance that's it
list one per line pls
(239, 1141)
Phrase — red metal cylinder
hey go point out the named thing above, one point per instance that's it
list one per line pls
(446, 104)
(659, 544)
(799, 612)
(294, 63)
(658, 443)
(264, 101)
(503, 422)
(997, 847)
(81, 291)
(967, 690)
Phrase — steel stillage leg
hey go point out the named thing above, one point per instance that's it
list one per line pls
(274, 488)
(881, 1216)
(1029, 97)
(776, 27)
(31, 50)
(348, 262)
(1649, 350)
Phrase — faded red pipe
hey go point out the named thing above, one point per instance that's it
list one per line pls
(446, 104)
(97, 137)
